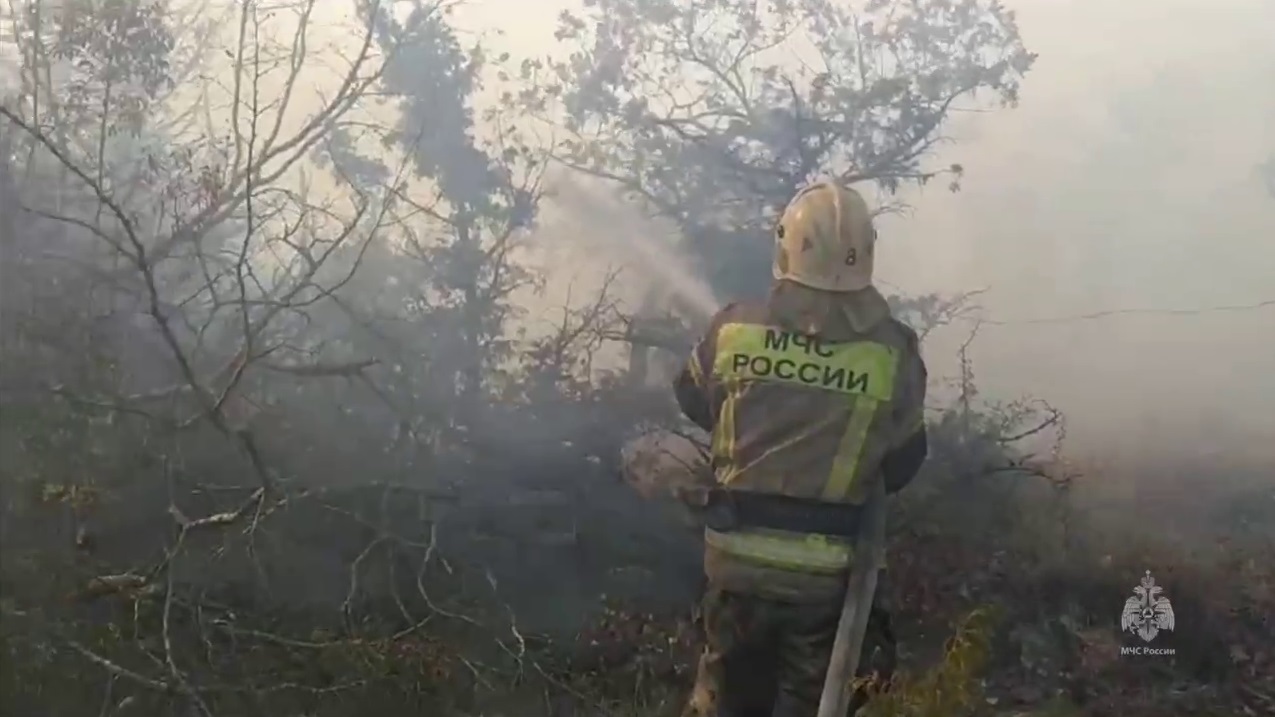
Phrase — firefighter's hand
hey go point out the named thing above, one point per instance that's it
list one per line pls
(693, 496)
(694, 501)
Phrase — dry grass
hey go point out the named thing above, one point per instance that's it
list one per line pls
(1057, 575)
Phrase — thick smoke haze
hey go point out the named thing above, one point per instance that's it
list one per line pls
(335, 379)
(1116, 222)
(1128, 180)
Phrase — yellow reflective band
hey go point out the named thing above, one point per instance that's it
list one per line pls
(842, 484)
(802, 553)
(754, 352)
(697, 373)
(724, 433)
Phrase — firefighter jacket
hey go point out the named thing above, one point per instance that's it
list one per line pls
(805, 415)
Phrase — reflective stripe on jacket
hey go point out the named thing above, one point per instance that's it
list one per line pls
(803, 416)
(785, 551)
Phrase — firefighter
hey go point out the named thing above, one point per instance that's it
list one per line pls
(809, 396)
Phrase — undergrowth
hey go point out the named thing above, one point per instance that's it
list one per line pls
(1006, 597)
(953, 687)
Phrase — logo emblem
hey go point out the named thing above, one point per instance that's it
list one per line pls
(1147, 612)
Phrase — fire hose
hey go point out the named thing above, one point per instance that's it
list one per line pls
(853, 624)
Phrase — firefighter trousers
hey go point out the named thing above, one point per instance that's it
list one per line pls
(764, 658)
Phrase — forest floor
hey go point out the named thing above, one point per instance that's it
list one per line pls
(991, 624)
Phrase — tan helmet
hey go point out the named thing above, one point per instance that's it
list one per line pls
(825, 239)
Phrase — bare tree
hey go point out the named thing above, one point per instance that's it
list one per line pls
(199, 255)
(194, 249)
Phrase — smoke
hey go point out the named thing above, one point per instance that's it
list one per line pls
(601, 227)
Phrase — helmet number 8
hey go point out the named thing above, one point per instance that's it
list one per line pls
(852, 257)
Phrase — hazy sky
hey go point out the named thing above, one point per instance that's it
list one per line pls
(1126, 179)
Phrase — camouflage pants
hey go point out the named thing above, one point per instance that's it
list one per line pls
(769, 659)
